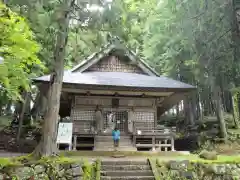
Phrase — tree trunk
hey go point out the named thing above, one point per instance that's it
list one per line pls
(177, 111)
(36, 107)
(235, 110)
(21, 118)
(188, 111)
(219, 111)
(47, 145)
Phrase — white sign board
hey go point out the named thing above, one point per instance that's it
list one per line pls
(64, 135)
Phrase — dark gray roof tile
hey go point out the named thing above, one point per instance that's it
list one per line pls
(119, 79)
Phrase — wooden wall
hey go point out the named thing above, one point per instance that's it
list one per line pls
(114, 64)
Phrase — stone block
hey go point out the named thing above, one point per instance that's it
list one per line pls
(208, 155)
(178, 165)
(219, 169)
(188, 175)
(39, 169)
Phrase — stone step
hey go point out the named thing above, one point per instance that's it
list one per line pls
(111, 141)
(111, 144)
(128, 178)
(125, 167)
(110, 138)
(111, 147)
(128, 149)
(124, 162)
(127, 173)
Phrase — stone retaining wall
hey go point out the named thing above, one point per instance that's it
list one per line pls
(48, 170)
(179, 170)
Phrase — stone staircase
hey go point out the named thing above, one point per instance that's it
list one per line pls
(126, 170)
(105, 143)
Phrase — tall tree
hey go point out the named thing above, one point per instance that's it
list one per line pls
(47, 146)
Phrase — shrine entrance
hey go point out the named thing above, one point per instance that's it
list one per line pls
(115, 118)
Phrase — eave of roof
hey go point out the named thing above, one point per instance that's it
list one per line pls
(119, 79)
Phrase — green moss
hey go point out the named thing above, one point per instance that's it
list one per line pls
(4, 162)
(122, 153)
(98, 169)
(25, 158)
(57, 160)
(195, 159)
(153, 164)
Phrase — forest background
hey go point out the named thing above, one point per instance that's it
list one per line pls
(196, 42)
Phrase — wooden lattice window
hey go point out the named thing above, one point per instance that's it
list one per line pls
(84, 115)
(144, 120)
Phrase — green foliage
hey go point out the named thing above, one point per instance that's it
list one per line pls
(98, 169)
(88, 170)
(5, 121)
(19, 52)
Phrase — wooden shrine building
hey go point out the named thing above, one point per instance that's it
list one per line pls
(111, 88)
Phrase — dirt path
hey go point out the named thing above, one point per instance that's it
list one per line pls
(10, 154)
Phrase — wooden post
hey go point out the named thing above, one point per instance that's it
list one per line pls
(172, 144)
(74, 142)
(134, 140)
(165, 142)
(134, 134)
(160, 147)
(153, 143)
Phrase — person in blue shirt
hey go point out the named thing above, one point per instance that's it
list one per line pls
(116, 137)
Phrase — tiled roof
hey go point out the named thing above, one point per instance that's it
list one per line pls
(119, 79)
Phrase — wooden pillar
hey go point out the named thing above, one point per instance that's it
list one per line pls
(134, 133)
(159, 145)
(130, 121)
(134, 140)
(74, 142)
(153, 143)
(172, 144)
(165, 144)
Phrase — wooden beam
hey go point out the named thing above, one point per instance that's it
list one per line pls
(108, 92)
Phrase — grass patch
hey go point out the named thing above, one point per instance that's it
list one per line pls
(27, 160)
(4, 162)
(112, 153)
(221, 159)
